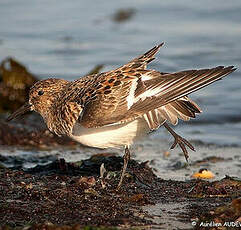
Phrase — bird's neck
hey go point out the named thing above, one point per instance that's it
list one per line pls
(63, 117)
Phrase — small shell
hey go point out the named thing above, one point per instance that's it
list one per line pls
(203, 174)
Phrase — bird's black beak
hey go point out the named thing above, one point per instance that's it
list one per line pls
(22, 110)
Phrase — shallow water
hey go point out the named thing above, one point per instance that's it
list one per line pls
(68, 38)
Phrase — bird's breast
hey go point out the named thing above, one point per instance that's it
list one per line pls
(111, 136)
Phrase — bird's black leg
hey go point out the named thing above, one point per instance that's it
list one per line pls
(126, 157)
(180, 141)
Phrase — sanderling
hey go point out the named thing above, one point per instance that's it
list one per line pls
(115, 108)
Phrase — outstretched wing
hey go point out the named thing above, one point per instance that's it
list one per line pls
(169, 89)
(131, 91)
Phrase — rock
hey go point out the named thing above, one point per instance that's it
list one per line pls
(15, 82)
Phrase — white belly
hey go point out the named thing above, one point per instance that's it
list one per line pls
(115, 136)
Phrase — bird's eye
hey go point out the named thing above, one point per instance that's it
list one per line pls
(41, 92)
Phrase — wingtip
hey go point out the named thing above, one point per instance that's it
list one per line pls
(233, 68)
(151, 53)
(160, 45)
(229, 69)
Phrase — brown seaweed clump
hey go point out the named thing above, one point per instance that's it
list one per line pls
(15, 81)
(77, 196)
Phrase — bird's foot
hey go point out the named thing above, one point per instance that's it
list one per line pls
(182, 142)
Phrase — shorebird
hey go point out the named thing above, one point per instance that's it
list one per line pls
(115, 108)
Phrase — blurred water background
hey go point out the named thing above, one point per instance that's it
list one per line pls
(66, 39)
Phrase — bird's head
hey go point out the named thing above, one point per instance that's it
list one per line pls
(42, 95)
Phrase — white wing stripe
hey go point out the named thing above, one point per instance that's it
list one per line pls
(130, 98)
